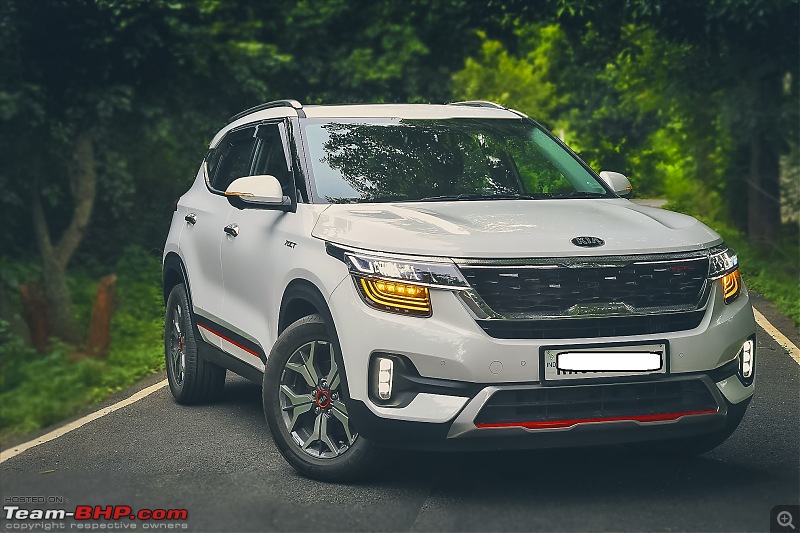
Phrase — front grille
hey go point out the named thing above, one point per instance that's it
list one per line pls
(596, 286)
(596, 402)
(570, 328)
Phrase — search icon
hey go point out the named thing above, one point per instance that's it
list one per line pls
(784, 519)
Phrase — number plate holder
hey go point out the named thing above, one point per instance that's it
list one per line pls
(614, 362)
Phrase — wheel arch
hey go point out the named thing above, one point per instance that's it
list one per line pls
(174, 273)
(303, 298)
(300, 299)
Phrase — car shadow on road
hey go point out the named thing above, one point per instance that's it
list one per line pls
(589, 471)
(239, 390)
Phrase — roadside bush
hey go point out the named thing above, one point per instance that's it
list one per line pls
(40, 389)
(773, 272)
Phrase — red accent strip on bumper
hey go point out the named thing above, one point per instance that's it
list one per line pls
(221, 336)
(552, 424)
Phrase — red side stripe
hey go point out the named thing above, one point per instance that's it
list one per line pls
(551, 424)
(221, 336)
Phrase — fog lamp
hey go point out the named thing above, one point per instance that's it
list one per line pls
(385, 375)
(747, 359)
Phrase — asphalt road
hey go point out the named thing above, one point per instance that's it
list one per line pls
(218, 462)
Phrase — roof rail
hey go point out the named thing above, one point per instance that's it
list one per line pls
(479, 103)
(276, 103)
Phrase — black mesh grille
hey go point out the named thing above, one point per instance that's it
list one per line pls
(568, 328)
(518, 291)
(596, 401)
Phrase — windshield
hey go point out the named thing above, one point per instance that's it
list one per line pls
(451, 159)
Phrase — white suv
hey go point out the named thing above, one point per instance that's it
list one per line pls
(446, 277)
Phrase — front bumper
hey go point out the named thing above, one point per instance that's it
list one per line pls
(466, 432)
(450, 346)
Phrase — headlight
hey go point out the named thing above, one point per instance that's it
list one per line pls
(723, 260)
(401, 285)
(723, 264)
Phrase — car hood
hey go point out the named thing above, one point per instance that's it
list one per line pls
(511, 228)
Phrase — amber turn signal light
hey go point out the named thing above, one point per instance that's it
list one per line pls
(394, 296)
(731, 286)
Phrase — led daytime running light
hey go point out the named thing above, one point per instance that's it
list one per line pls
(444, 275)
(747, 359)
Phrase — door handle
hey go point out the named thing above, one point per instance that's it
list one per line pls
(232, 230)
(191, 218)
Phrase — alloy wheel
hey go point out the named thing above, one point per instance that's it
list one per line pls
(177, 345)
(311, 402)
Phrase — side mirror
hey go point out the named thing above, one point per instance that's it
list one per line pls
(260, 190)
(618, 182)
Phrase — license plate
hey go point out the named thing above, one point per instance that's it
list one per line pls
(582, 362)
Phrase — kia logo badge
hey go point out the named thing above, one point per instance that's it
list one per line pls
(588, 242)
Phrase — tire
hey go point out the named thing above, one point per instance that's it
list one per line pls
(305, 406)
(192, 379)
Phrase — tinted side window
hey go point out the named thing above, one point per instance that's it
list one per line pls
(235, 154)
(212, 158)
(271, 158)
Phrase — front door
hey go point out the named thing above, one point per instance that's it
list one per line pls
(207, 213)
(248, 257)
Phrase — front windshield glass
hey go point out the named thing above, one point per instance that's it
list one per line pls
(450, 159)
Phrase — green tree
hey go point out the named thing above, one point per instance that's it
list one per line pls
(740, 72)
(524, 81)
(605, 104)
(85, 82)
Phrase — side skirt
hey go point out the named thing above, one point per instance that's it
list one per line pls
(214, 355)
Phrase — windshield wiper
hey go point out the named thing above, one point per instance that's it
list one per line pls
(577, 194)
(472, 196)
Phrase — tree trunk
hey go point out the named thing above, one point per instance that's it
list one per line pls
(763, 191)
(763, 184)
(55, 258)
(704, 141)
(61, 321)
(59, 301)
(34, 311)
(99, 338)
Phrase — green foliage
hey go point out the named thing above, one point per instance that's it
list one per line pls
(605, 104)
(523, 81)
(774, 272)
(38, 390)
(14, 353)
(735, 87)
